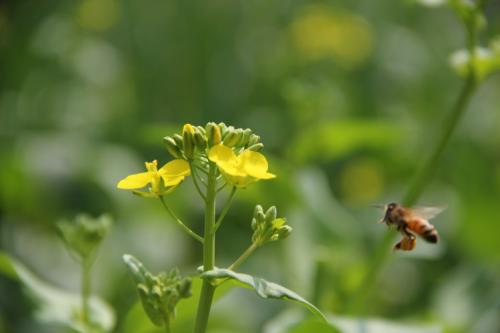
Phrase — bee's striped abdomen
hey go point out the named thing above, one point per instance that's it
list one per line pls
(424, 229)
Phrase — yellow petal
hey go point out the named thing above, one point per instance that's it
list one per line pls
(221, 153)
(175, 168)
(172, 181)
(135, 181)
(255, 165)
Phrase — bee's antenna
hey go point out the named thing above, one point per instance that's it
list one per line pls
(378, 206)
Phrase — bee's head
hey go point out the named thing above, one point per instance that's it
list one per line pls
(391, 206)
(388, 211)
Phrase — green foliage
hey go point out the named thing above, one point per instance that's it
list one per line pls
(57, 306)
(262, 287)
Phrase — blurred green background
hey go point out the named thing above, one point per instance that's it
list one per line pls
(347, 97)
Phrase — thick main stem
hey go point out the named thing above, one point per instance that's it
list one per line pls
(207, 290)
(359, 300)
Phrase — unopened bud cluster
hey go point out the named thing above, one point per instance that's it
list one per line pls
(84, 234)
(267, 227)
(199, 138)
(160, 293)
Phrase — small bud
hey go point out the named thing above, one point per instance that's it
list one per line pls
(188, 138)
(256, 147)
(253, 139)
(178, 140)
(253, 224)
(257, 209)
(227, 131)
(231, 139)
(172, 147)
(271, 214)
(201, 129)
(284, 232)
(200, 140)
(239, 134)
(213, 134)
(245, 137)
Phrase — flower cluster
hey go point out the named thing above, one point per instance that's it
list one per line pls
(235, 151)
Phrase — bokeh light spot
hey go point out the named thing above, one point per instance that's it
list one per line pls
(321, 32)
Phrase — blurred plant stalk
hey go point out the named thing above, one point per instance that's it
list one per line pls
(360, 300)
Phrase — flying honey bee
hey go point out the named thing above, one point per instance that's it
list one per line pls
(410, 222)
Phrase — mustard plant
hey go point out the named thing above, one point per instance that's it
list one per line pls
(217, 158)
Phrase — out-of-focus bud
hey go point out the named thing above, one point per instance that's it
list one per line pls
(178, 140)
(223, 129)
(271, 214)
(188, 139)
(284, 232)
(171, 147)
(256, 147)
(200, 140)
(245, 137)
(213, 134)
(231, 138)
(258, 209)
(253, 139)
(160, 293)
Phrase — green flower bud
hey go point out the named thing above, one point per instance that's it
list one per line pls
(239, 133)
(227, 131)
(253, 139)
(253, 224)
(257, 209)
(256, 147)
(200, 140)
(271, 214)
(159, 294)
(172, 147)
(188, 138)
(284, 232)
(231, 139)
(213, 134)
(178, 140)
(245, 137)
(201, 129)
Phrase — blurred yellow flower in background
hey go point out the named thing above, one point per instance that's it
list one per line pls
(162, 181)
(240, 170)
(321, 32)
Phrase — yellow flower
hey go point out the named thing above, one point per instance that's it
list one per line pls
(240, 170)
(162, 181)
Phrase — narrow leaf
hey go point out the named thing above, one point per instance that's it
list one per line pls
(263, 288)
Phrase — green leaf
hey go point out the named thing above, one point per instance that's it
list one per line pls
(54, 305)
(262, 287)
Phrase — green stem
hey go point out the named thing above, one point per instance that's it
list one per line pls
(224, 211)
(244, 256)
(86, 265)
(180, 223)
(195, 181)
(168, 329)
(207, 290)
(382, 252)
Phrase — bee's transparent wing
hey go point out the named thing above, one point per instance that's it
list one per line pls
(427, 212)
